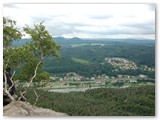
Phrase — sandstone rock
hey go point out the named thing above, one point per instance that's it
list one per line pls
(19, 108)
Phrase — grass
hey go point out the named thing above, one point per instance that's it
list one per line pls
(81, 61)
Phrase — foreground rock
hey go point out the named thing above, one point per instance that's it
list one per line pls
(19, 108)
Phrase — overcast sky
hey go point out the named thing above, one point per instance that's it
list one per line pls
(88, 20)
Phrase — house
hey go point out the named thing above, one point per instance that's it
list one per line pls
(133, 81)
(142, 76)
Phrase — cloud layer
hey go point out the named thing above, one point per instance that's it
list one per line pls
(88, 20)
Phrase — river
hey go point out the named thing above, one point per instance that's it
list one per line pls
(66, 90)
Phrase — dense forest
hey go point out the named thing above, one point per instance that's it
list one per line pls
(139, 101)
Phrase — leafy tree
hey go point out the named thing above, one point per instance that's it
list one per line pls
(26, 59)
(10, 34)
(42, 45)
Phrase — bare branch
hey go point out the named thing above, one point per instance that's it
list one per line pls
(9, 95)
(5, 82)
(37, 96)
(13, 74)
(11, 79)
(5, 87)
(35, 73)
(22, 95)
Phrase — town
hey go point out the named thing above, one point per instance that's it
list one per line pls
(73, 80)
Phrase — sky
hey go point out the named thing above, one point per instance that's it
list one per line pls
(136, 21)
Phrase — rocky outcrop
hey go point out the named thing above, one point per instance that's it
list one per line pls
(19, 108)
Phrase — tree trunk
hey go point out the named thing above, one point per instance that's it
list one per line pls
(6, 90)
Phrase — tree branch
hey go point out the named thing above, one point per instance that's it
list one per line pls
(5, 87)
(22, 96)
(11, 79)
(35, 73)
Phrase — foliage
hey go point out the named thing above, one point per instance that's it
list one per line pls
(42, 42)
(27, 60)
(136, 101)
(43, 76)
(10, 32)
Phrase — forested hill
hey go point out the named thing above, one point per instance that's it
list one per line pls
(81, 55)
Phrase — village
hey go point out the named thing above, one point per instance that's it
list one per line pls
(121, 63)
(73, 80)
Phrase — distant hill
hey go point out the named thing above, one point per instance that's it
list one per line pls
(21, 42)
(76, 40)
(62, 40)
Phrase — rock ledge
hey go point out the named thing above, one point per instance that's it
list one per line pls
(19, 108)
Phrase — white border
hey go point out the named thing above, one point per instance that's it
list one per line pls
(79, 1)
(89, 1)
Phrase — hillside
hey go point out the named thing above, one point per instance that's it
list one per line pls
(89, 54)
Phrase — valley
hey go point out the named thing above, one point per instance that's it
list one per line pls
(86, 64)
(100, 63)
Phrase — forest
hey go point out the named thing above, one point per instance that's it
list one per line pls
(139, 101)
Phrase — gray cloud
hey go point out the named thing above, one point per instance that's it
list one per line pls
(152, 7)
(78, 24)
(70, 20)
(101, 16)
(40, 19)
(48, 18)
(10, 5)
(145, 28)
(128, 29)
(59, 28)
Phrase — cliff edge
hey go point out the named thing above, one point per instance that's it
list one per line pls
(19, 108)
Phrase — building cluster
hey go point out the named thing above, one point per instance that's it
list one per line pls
(121, 63)
(71, 76)
(145, 67)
